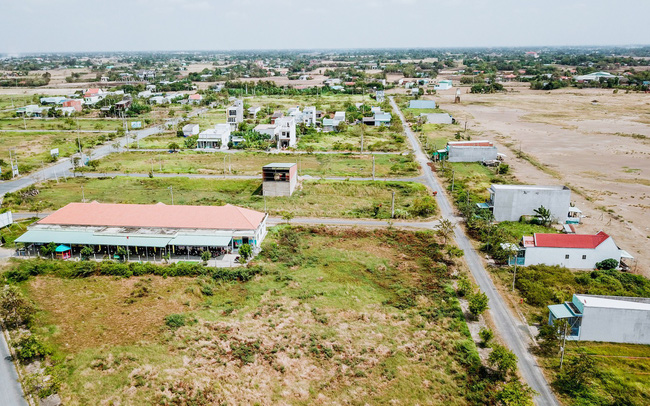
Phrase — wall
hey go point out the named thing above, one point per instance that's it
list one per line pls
(556, 256)
(472, 154)
(272, 188)
(6, 219)
(511, 204)
(615, 325)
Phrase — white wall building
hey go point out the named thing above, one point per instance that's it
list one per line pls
(510, 202)
(235, 114)
(214, 138)
(615, 319)
(190, 130)
(575, 251)
(287, 132)
(471, 151)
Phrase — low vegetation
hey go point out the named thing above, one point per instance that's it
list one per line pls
(315, 198)
(332, 316)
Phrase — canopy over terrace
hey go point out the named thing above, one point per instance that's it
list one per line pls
(150, 229)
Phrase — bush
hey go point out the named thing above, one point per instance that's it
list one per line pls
(424, 206)
(503, 360)
(478, 303)
(175, 321)
(29, 347)
(607, 264)
(15, 309)
(486, 335)
(245, 251)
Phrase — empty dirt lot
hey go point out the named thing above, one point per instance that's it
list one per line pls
(593, 140)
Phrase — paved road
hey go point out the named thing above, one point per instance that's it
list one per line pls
(11, 393)
(512, 330)
(64, 166)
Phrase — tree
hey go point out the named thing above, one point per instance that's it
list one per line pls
(48, 250)
(464, 286)
(454, 252)
(15, 309)
(502, 360)
(173, 146)
(515, 393)
(478, 303)
(486, 335)
(607, 264)
(287, 216)
(245, 251)
(121, 252)
(86, 252)
(424, 206)
(445, 229)
(205, 256)
(576, 375)
(550, 336)
(544, 215)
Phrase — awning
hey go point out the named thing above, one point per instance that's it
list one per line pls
(625, 254)
(483, 205)
(88, 238)
(62, 248)
(574, 210)
(561, 311)
(201, 241)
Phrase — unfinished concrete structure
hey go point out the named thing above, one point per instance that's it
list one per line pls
(471, 151)
(279, 179)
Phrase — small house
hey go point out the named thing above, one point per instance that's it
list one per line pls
(382, 119)
(252, 111)
(195, 98)
(190, 130)
(443, 85)
(471, 151)
(422, 104)
(214, 138)
(614, 319)
(279, 179)
(511, 202)
(437, 118)
(575, 251)
(74, 103)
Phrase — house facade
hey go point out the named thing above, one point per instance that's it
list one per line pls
(574, 251)
(214, 138)
(286, 132)
(279, 179)
(190, 130)
(235, 114)
(615, 319)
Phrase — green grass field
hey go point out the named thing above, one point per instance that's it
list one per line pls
(374, 139)
(315, 198)
(83, 124)
(250, 163)
(33, 148)
(337, 316)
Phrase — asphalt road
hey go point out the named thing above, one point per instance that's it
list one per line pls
(63, 168)
(511, 329)
(11, 393)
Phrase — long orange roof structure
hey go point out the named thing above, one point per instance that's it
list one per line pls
(227, 217)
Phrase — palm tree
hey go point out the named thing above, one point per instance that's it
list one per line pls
(544, 215)
(445, 229)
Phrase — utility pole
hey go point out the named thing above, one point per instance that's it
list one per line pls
(83, 195)
(514, 276)
(563, 345)
(373, 167)
(362, 136)
(224, 166)
(24, 121)
(392, 206)
(453, 177)
(171, 190)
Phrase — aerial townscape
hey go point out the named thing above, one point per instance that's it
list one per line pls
(391, 212)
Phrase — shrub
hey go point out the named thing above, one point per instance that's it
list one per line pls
(86, 252)
(503, 360)
(175, 321)
(478, 303)
(607, 264)
(15, 309)
(245, 251)
(29, 347)
(486, 335)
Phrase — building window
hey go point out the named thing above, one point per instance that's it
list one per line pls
(566, 256)
(584, 257)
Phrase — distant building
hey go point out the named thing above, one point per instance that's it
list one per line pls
(276, 115)
(74, 103)
(190, 130)
(214, 138)
(270, 130)
(438, 118)
(53, 100)
(575, 251)
(195, 98)
(471, 151)
(339, 116)
(252, 111)
(309, 116)
(594, 77)
(279, 179)
(615, 319)
(382, 119)
(330, 125)
(287, 132)
(443, 85)
(422, 104)
(235, 114)
(511, 202)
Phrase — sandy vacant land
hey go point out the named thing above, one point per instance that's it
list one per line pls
(592, 140)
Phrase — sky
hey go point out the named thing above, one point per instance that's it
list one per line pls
(28, 26)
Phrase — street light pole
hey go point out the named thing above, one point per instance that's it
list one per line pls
(171, 190)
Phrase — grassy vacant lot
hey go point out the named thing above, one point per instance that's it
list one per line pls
(83, 124)
(374, 139)
(159, 141)
(6, 100)
(18, 228)
(621, 370)
(316, 198)
(33, 148)
(337, 316)
(250, 163)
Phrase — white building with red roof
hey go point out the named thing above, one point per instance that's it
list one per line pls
(157, 228)
(576, 251)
